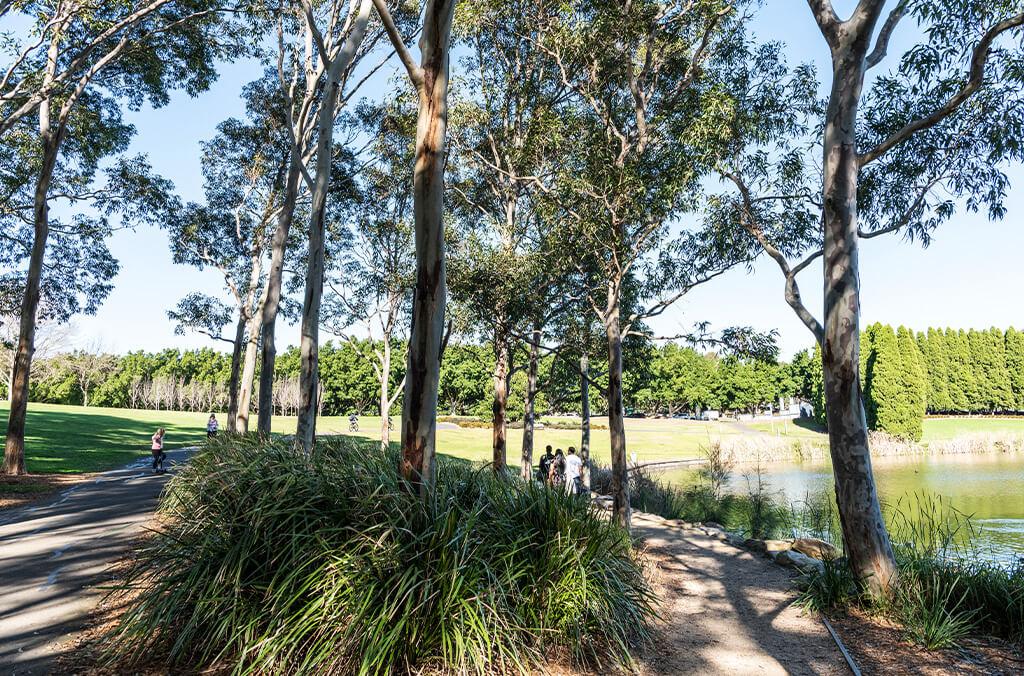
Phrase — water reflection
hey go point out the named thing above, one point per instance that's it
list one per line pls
(989, 488)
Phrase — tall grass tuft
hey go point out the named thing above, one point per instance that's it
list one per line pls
(278, 563)
(945, 588)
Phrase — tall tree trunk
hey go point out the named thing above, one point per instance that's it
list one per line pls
(585, 418)
(272, 297)
(499, 405)
(616, 422)
(10, 374)
(14, 447)
(526, 461)
(419, 410)
(864, 534)
(236, 367)
(309, 345)
(51, 137)
(248, 374)
(385, 395)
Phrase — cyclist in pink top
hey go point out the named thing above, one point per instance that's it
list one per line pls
(158, 451)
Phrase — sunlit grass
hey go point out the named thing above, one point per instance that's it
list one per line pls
(77, 439)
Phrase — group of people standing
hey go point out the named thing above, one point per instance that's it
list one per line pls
(561, 470)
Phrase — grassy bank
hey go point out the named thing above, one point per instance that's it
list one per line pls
(78, 439)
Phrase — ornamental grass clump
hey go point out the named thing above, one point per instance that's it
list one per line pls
(272, 562)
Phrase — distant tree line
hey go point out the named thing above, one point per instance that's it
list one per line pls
(669, 379)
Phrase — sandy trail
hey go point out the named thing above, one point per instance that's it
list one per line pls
(727, 611)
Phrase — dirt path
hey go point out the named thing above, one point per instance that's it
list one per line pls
(728, 611)
(54, 556)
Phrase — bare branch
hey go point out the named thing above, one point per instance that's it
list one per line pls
(415, 72)
(793, 298)
(882, 42)
(827, 19)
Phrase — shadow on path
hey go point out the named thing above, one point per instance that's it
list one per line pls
(54, 559)
(727, 611)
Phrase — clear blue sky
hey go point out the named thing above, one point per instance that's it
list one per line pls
(971, 275)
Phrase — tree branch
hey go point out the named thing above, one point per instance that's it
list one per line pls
(415, 72)
(882, 43)
(974, 82)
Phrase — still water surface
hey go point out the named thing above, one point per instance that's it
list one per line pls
(988, 488)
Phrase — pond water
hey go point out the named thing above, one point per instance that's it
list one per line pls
(989, 488)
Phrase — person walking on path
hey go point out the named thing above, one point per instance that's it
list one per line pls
(573, 472)
(158, 451)
(211, 426)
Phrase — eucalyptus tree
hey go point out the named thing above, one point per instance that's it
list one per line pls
(73, 43)
(337, 30)
(649, 104)
(244, 167)
(303, 69)
(426, 339)
(369, 279)
(894, 156)
(63, 268)
(504, 137)
(80, 59)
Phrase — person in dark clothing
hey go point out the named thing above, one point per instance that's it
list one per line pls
(556, 475)
(545, 465)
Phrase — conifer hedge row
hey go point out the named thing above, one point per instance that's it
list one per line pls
(905, 375)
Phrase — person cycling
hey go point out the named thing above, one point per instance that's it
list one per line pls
(353, 422)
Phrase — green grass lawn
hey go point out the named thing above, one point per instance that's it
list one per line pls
(77, 439)
(935, 429)
(652, 440)
(65, 439)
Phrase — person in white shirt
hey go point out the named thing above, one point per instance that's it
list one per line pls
(573, 470)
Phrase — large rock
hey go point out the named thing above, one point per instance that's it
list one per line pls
(736, 540)
(815, 548)
(767, 546)
(754, 545)
(793, 559)
(773, 546)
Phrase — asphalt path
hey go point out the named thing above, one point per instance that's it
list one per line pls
(55, 559)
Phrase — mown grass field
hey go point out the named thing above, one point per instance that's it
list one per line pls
(71, 439)
(935, 429)
(76, 439)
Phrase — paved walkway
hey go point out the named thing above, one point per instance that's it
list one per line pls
(726, 611)
(53, 559)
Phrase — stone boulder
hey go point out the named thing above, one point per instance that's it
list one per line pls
(755, 545)
(736, 540)
(773, 546)
(791, 558)
(815, 548)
